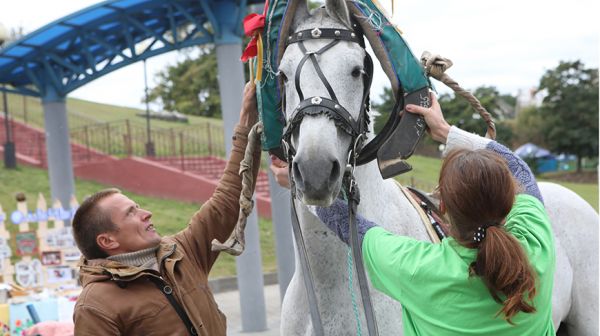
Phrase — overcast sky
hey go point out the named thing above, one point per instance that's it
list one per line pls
(508, 44)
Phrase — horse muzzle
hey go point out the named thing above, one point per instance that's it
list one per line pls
(317, 181)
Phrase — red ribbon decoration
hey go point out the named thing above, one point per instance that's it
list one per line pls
(253, 25)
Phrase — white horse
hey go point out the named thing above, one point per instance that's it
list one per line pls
(321, 154)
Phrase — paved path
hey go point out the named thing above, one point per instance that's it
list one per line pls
(229, 303)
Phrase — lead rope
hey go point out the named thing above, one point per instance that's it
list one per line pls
(352, 295)
(235, 244)
(435, 66)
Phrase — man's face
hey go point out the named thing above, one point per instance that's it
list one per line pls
(134, 225)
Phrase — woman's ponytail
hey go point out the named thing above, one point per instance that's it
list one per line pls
(504, 267)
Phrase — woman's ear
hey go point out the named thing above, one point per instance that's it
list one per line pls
(442, 207)
(107, 242)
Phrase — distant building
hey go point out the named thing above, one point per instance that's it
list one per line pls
(528, 98)
(4, 36)
(504, 109)
(7, 36)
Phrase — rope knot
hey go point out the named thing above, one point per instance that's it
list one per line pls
(435, 65)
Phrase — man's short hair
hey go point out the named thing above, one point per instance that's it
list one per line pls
(89, 221)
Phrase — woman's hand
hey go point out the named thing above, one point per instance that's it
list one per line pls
(280, 171)
(249, 112)
(438, 126)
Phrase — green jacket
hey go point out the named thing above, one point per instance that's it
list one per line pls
(120, 300)
(438, 296)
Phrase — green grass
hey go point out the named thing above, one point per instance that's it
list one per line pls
(83, 112)
(424, 174)
(170, 216)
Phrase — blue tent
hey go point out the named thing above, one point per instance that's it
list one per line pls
(530, 150)
(544, 160)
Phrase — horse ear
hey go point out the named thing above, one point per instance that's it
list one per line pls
(338, 9)
(300, 14)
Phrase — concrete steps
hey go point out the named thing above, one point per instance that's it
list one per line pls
(211, 167)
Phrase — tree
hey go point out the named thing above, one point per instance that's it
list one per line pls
(384, 108)
(570, 110)
(190, 86)
(528, 127)
(458, 112)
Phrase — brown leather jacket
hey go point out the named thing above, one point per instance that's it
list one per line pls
(120, 300)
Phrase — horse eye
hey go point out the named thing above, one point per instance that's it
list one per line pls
(356, 72)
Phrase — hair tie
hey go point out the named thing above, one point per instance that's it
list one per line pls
(479, 234)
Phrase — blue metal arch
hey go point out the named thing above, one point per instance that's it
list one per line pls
(79, 48)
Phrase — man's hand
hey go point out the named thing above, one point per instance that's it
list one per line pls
(438, 126)
(249, 112)
(280, 171)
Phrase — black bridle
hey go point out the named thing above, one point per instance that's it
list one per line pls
(357, 129)
(330, 107)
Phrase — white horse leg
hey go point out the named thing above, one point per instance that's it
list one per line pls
(576, 224)
(294, 308)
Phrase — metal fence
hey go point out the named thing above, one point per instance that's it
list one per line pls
(124, 138)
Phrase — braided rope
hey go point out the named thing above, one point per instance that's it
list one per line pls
(235, 244)
(350, 269)
(435, 66)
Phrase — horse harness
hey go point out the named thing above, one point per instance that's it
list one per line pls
(357, 129)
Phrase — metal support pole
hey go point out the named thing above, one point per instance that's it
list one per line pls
(58, 147)
(284, 241)
(248, 265)
(149, 144)
(10, 158)
(25, 109)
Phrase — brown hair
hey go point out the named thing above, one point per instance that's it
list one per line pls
(478, 190)
(89, 221)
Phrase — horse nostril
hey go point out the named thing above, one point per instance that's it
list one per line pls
(335, 172)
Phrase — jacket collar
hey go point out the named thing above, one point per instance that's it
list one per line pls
(103, 269)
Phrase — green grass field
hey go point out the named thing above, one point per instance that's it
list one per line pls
(83, 112)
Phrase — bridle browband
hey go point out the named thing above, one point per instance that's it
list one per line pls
(330, 107)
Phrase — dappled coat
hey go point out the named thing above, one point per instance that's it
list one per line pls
(120, 300)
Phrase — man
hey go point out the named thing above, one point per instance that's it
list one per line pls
(137, 283)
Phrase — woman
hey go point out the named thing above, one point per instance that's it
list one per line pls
(494, 275)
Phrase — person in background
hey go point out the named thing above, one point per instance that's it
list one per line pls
(136, 282)
(494, 274)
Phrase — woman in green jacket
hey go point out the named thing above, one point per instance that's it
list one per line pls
(494, 275)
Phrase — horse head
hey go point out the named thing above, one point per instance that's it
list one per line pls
(325, 73)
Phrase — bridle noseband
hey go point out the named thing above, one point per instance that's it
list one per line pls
(330, 107)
